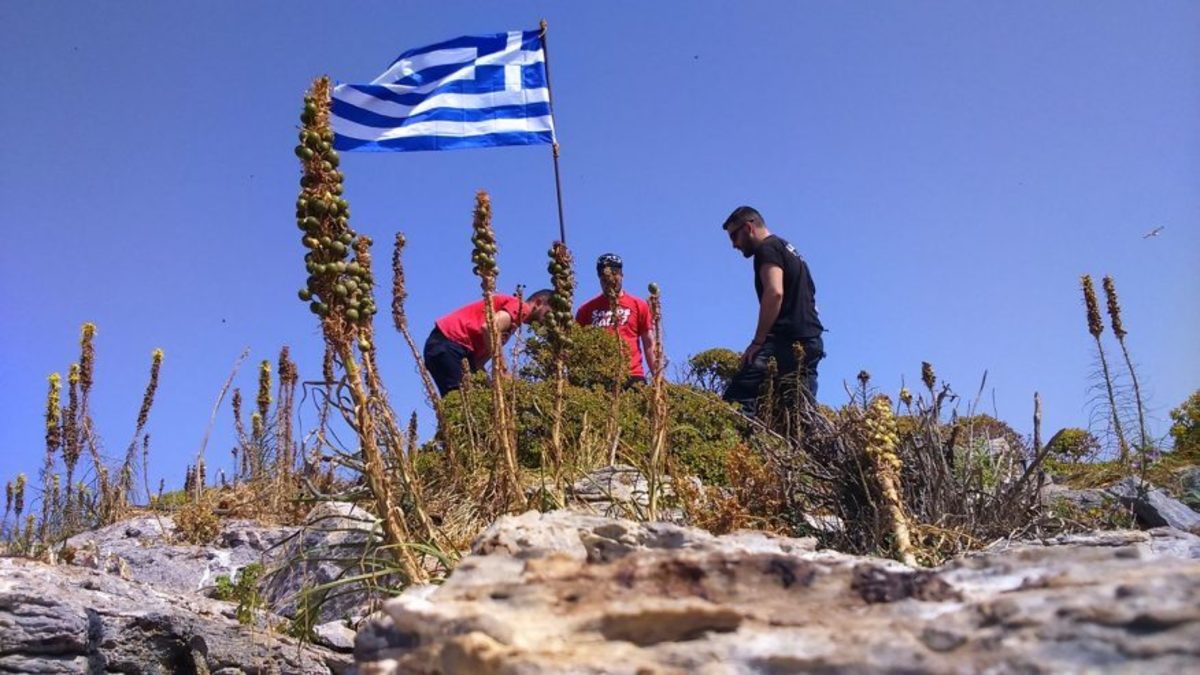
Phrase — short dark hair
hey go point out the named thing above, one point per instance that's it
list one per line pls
(742, 214)
(545, 293)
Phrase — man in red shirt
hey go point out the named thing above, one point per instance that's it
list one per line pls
(462, 334)
(632, 324)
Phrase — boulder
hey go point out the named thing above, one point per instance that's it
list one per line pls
(1153, 506)
(329, 547)
(564, 592)
(142, 549)
(65, 619)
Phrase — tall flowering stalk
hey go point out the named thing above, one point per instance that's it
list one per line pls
(338, 291)
(285, 459)
(658, 411)
(125, 484)
(400, 321)
(1118, 328)
(881, 448)
(608, 284)
(484, 257)
(559, 326)
(1096, 327)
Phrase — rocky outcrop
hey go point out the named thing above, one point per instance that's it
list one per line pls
(143, 549)
(1153, 506)
(64, 619)
(568, 593)
(328, 548)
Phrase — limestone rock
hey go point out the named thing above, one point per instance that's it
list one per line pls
(1153, 506)
(570, 593)
(142, 548)
(64, 619)
(327, 548)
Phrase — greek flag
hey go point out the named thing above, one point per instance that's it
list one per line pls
(470, 92)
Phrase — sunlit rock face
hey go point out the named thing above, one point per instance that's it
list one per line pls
(569, 593)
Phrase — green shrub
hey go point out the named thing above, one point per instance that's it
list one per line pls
(1185, 426)
(712, 369)
(596, 358)
(1073, 445)
(702, 428)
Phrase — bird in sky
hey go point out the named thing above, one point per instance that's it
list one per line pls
(1154, 232)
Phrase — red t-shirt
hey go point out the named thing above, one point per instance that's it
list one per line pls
(465, 324)
(633, 321)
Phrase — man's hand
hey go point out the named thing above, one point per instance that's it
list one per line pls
(751, 351)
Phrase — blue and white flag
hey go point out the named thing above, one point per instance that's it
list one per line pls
(469, 92)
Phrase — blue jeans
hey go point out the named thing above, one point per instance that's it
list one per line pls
(746, 386)
(443, 360)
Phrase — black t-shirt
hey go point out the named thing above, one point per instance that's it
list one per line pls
(798, 314)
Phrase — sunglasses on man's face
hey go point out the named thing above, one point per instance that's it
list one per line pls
(733, 232)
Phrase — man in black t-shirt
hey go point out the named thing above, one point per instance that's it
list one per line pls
(787, 311)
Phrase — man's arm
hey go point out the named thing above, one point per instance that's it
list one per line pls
(504, 324)
(648, 350)
(769, 304)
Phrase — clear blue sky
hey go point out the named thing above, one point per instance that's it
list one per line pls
(948, 169)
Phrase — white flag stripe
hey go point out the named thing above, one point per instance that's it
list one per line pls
(466, 101)
(442, 57)
(464, 55)
(443, 128)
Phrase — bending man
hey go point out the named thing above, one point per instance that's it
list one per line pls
(462, 334)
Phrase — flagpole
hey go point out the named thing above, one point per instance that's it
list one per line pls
(562, 230)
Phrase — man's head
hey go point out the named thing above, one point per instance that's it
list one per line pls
(746, 228)
(610, 269)
(539, 304)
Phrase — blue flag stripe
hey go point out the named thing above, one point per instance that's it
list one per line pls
(369, 119)
(417, 143)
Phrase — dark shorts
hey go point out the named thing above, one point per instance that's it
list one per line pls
(745, 387)
(444, 361)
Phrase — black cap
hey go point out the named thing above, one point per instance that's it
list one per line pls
(609, 260)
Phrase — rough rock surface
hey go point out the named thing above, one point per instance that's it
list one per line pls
(567, 593)
(327, 548)
(137, 549)
(64, 619)
(617, 490)
(1153, 506)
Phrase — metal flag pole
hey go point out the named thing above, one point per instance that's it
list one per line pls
(562, 230)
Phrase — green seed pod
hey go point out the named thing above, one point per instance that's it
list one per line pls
(653, 287)
(354, 268)
(351, 285)
(364, 345)
(312, 140)
(306, 153)
(300, 151)
(310, 267)
(311, 242)
(346, 238)
(340, 290)
(327, 135)
(310, 223)
(305, 294)
(316, 307)
(352, 314)
(338, 247)
(316, 207)
(333, 158)
(326, 166)
(324, 146)
(326, 241)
